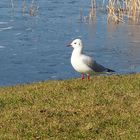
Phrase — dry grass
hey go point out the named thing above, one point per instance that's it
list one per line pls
(106, 107)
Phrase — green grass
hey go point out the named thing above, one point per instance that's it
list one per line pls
(104, 108)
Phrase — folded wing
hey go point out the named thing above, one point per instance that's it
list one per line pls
(94, 65)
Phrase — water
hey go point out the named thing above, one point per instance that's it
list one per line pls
(34, 48)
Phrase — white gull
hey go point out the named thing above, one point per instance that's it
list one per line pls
(83, 63)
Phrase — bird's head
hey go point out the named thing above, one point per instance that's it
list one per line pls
(77, 43)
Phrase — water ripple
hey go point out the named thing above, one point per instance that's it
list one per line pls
(6, 28)
(2, 22)
(2, 47)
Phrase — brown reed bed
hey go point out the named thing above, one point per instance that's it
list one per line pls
(117, 10)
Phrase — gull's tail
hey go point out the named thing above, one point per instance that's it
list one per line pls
(109, 70)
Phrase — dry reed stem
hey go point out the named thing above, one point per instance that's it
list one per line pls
(92, 13)
(32, 9)
(23, 7)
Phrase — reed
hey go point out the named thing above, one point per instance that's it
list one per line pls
(92, 12)
(124, 10)
(32, 9)
(117, 10)
(91, 17)
(23, 6)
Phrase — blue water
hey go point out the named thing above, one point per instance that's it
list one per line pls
(33, 48)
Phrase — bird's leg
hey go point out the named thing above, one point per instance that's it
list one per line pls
(88, 76)
(83, 76)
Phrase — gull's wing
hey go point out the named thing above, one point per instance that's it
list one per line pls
(93, 64)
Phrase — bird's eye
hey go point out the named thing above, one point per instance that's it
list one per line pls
(75, 43)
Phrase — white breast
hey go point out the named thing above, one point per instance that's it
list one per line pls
(79, 65)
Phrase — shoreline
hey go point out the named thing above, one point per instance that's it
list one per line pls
(73, 78)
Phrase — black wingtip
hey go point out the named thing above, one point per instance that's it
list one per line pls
(109, 70)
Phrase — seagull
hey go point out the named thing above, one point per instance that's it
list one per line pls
(83, 63)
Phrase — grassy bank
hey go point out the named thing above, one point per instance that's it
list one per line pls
(104, 108)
